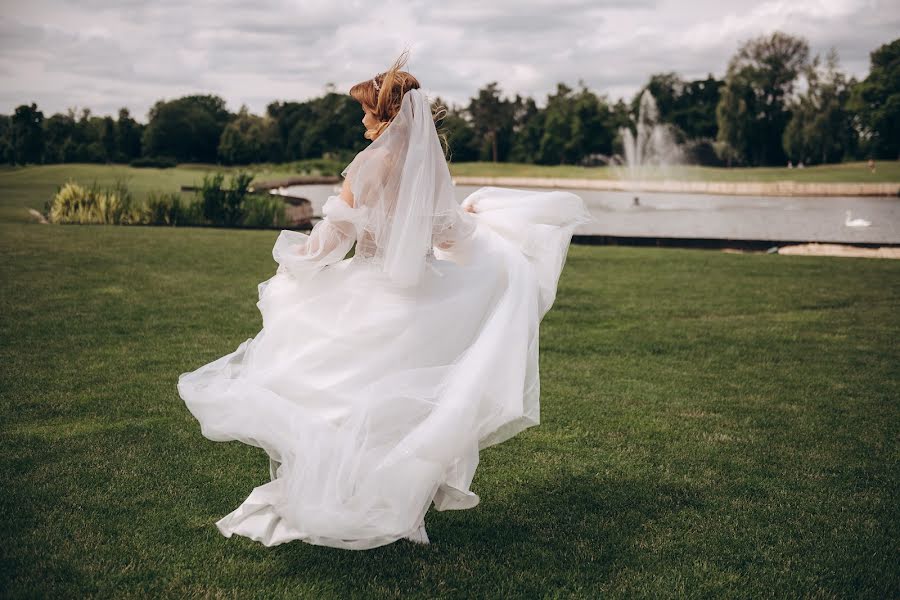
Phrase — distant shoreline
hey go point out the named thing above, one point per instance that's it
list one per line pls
(736, 188)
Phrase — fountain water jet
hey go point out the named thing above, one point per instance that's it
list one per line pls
(652, 150)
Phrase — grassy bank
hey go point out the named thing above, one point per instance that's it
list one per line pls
(712, 425)
(856, 172)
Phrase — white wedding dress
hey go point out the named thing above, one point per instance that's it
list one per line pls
(377, 379)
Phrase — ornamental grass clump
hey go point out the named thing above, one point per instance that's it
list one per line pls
(74, 203)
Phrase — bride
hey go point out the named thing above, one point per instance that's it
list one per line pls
(377, 379)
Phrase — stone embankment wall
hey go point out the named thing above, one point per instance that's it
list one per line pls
(739, 188)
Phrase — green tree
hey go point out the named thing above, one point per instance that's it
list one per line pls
(58, 131)
(820, 129)
(590, 131)
(187, 128)
(290, 119)
(249, 139)
(667, 89)
(6, 149)
(27, 134)
(697, 113)
(573, 125)
(492, 117)
(688, 105)
(620, 116)
(528, 130)
(89, 146)
(75, 147)
(331, 123)
(557, 126)
(461, 137)
(128, 137)
(876, 103)
(752, 113)
(335, 123)
(108, 138)
(560, 140)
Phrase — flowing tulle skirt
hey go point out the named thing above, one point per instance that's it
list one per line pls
(373, 401)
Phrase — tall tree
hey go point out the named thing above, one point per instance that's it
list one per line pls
(128, 137)
(291, 118)
(590, 131)
(6, 149)
(688, 105)
(461, 138)
(528, 129)
(249, 139)
(876, 103)
(667, 89)
(556, 142)
(752, 112)
(187, 128)
(58, 131)
(492, 116)
(330, 123)
(108, 138)
(334, 125)
(820, 129)
(697, 114)
(27, 134)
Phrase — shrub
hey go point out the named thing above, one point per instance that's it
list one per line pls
(158, 162)
(115, 205)
(167, 208)
(224, 206)
(74, 203)
(263, 210)
(69, 205)
(234, 206)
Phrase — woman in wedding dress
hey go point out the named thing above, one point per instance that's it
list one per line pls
(377, 379)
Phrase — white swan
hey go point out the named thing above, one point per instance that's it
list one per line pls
(855, 222)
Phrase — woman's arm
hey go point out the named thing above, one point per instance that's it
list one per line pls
(347, 193)
(329, 240)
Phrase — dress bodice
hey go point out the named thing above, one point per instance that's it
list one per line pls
(367, 249)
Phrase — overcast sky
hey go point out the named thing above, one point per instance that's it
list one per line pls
(106, 54)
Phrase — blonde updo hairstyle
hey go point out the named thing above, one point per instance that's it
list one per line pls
(384, 103)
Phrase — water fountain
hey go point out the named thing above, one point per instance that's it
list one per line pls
(652, 151)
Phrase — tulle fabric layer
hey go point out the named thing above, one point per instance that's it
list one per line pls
(374, 400)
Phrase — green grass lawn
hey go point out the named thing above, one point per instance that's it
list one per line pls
(713, 424)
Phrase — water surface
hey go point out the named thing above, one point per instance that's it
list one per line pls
(713, 216)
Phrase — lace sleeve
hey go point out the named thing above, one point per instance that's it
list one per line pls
(454, 235)
(302, 255)
(454, 229)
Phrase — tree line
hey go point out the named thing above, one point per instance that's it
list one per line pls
(776, 103)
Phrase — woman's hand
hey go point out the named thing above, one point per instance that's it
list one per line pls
(470, 208)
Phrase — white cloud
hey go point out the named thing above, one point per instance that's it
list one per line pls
(104, 55)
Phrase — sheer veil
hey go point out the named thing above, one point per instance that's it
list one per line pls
(403, 180)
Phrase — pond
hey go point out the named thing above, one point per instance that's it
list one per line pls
(806, 219)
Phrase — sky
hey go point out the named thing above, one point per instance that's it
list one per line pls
(108, 54)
